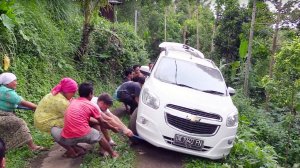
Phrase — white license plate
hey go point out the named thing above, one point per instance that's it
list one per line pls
(188, 142)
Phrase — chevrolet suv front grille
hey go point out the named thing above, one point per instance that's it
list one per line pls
(195, 112)
(190, 126)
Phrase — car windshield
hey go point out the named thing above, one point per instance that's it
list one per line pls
(191, 75)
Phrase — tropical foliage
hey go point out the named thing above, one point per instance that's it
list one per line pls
(43, 41)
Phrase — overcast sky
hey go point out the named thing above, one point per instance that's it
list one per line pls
(245, 2)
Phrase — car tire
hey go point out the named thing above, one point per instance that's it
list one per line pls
(132, 122)
(132, 127)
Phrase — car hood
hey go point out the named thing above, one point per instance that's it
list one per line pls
(189, 98)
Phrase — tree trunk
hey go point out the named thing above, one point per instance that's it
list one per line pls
(274, 47)
(165, 25)
(87, 29)
(135, 20)
(248, 64)
(184, 34)
(88, 8)
(212, 47)
(198, 42)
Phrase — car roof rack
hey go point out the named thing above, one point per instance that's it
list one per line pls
(212, 62)
(180, 47)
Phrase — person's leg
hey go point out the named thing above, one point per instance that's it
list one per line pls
(71, 152)
(16, 132)
(2, 162)
(24, 130)
(106, 134)
(126, 108)
(95, 124)
(96, 136)
(129, 100)
(2, 153)
(56, 134)
(32, 146)
(79, 150)
(133, 105)
(105, 145)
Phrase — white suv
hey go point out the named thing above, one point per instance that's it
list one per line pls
(185, 105)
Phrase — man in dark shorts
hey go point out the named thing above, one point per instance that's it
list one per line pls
(129, 93)
(76, 124)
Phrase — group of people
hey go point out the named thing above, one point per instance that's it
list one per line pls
(128, 92)
(69, 120)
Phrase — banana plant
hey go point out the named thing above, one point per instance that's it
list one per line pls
(90, 9)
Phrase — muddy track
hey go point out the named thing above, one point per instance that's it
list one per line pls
(149, 156)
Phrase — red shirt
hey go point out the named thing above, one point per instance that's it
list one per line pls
(77, 116)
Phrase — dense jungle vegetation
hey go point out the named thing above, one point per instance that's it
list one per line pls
(258, 51)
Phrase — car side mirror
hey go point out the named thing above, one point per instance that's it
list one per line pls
(231, 91)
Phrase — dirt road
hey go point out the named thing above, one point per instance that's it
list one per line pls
(148, 156)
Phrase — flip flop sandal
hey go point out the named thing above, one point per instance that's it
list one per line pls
(78, 146)
(112, 143)
(70, 156)
(81, 153)
(39, 149)
(103, 153)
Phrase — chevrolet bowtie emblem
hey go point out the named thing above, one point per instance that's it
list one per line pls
(193, 118)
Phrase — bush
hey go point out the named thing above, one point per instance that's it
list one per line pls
(113, 48)
(250, 148)
(41, 49)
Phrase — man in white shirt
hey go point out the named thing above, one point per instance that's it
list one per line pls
(104, 101)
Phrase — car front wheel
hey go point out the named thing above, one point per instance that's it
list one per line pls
(132, 122)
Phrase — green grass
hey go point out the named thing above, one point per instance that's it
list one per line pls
(18, 157)
(126, 158)
(197, 162)
(127, 155)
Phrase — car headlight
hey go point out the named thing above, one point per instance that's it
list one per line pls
(232, 120)
(150, 99)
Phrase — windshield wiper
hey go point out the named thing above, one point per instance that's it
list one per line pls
(206, 91)
(213, 92)
(183, 85)
(187, 86)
